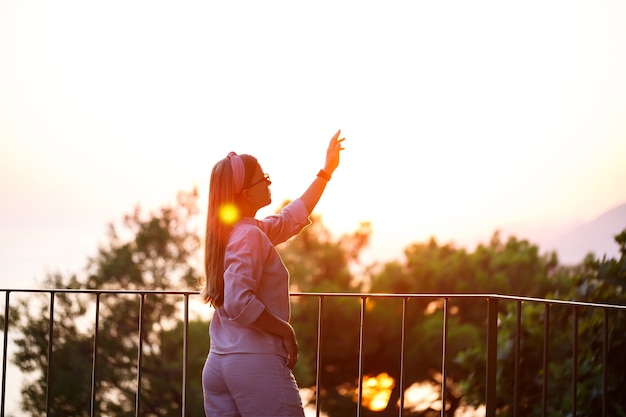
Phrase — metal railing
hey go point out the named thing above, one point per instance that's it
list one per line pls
(492, 322)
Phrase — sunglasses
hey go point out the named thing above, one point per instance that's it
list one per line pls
(266, 179)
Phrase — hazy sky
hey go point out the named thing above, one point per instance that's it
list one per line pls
(461, 117)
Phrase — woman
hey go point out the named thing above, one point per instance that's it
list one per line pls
(248, 372)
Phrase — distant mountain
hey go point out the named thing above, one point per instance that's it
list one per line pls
(596, 236)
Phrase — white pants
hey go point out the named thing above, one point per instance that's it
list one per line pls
(249, 385)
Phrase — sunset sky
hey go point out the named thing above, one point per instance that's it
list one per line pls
(460, 117)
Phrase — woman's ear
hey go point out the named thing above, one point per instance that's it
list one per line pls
(246, 196)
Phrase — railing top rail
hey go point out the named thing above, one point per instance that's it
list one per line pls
(332, 294)
(97, 291)
(465, 295)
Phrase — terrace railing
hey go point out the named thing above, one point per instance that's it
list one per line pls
(494, 303)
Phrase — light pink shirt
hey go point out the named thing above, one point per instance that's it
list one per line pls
(255, 278)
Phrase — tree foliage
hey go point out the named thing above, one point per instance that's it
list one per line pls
(157, 252)
(569, 328)
(499, 267)
(160, 251)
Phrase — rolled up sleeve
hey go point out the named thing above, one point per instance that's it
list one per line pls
(290, 221)
(243, 270)
(240, 302)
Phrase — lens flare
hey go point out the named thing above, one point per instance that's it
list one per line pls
(229, 213)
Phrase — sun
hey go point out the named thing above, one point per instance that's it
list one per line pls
(377, 391)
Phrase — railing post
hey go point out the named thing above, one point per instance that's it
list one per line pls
(574, 362)
(361, 320)
(139, 356)
(94, 364)
(185, 356)
(518, 339)
(49, 364)
(402, 355)
(318, 356)
(605, 350)
(492, 356)
(4, 352)
(546, 339)
(444, 345)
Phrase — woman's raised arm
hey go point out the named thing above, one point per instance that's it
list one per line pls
(312, 194)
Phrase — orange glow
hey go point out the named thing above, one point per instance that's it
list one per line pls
(377, 391)
(229, 213)
(422, 396)
(437, 305)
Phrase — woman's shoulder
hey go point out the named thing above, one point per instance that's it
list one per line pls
(247, 237)
(247, 229)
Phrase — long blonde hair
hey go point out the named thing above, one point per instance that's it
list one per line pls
(222, 213)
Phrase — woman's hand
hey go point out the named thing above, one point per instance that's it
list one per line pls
(291, 345)
(272, 324)
(332, 153)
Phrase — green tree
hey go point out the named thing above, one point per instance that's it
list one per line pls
(593, 280)
(150, 252)
(507, 267)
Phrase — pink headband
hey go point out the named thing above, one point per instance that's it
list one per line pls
(238, 171)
